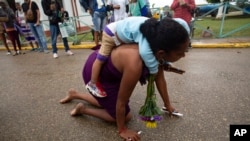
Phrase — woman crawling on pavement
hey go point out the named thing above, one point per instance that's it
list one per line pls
(124, 68)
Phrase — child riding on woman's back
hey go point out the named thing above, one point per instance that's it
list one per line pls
(124, 32)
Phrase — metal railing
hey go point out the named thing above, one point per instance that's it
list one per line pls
(225, 6)
(76, 22)
(158, 12)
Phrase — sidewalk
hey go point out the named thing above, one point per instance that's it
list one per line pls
(240, 42)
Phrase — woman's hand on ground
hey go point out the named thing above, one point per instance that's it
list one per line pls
(170, 109)
(130, 135)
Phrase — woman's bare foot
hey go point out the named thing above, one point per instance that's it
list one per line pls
(69, 97)
(77, 110)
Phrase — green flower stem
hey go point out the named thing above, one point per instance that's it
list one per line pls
(150, 109)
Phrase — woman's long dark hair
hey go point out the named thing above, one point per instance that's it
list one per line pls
(166, 34)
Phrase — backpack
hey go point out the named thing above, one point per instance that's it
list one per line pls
(148, 10)
(30, 15)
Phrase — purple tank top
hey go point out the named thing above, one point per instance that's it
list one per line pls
(110, 79)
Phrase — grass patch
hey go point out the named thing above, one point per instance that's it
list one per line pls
(87, 37)
(230, 23)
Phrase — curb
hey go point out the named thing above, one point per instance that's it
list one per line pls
(194, 45)
(221, 45)
(81, 46)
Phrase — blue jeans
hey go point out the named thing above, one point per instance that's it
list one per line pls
(99, 20)
(54, 32)
(39, 35)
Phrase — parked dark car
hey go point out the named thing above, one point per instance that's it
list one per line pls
(202, 9)
(244, 4)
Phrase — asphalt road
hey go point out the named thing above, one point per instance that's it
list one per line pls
(212, 94)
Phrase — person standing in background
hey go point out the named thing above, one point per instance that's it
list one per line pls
(35, 24)
(99, 19)
(11, 29)
(120, 9)
(52, 9)
(183, 9)
(88, 6)
(23, 27)
(139, 8)
(3, 18)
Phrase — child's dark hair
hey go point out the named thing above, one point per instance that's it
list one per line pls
(166, 34)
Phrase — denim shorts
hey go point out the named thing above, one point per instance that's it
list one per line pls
(99, 20)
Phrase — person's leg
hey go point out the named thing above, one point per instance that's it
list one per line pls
(108, 43)
(53, 34)
(97, 65)
(100, 36)
(3, 38)
(12, 39)
(16, 36)
(103, 24)
(72, 94)
(65, 40)
(96, 37)
(81, 109)
(34, 32)
(98, 113)
(65, 44)
(37, 46)
(93, 29)
(97, 23)
(32, 46)
(93, 86)
(191, 34)
(41, 36)
(104, 52)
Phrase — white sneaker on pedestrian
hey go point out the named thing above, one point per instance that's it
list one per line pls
(8, 53)
(55, 55)
(70, 52)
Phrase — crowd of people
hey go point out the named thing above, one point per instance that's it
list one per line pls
(122, 28)
(25, 21)
(102, 12)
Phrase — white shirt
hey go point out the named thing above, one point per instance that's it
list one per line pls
(119, 14)
(21, 16)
